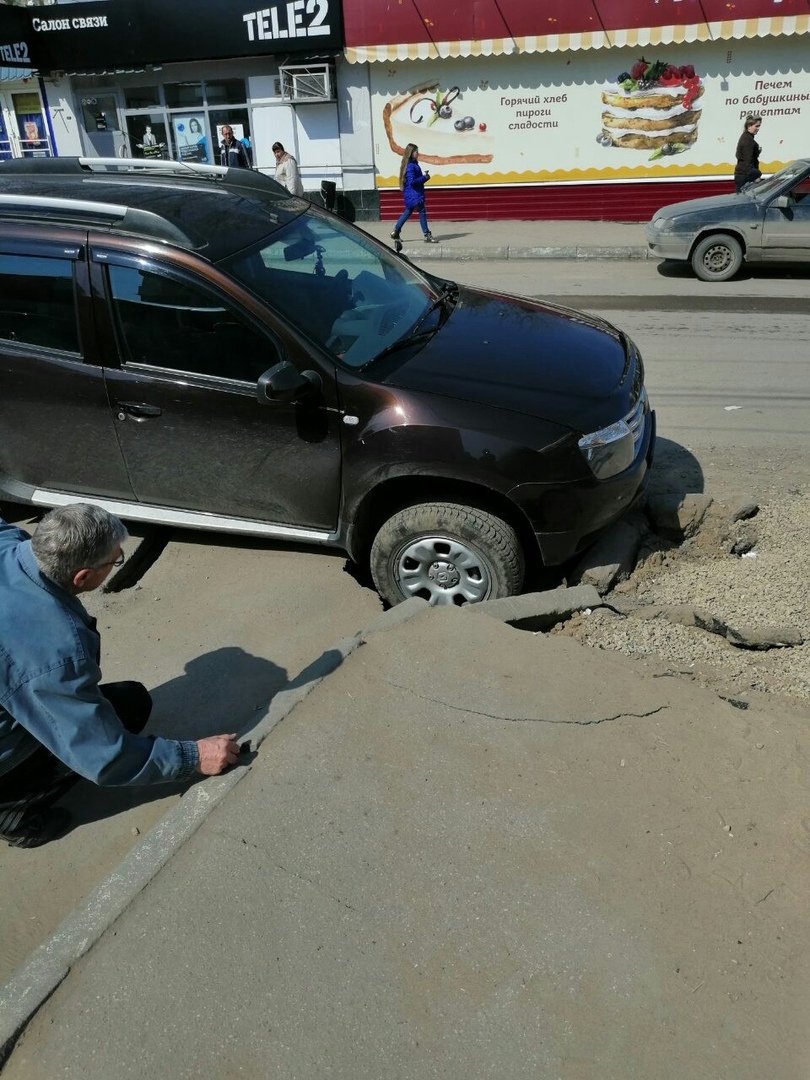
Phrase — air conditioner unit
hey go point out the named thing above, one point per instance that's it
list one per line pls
(301, 83)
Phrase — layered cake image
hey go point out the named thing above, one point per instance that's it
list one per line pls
(654, 106)
(435, 120)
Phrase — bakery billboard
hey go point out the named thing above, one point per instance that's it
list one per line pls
(665, 111)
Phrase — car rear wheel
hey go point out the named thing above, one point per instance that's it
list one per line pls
(447, 554)
(717, 258)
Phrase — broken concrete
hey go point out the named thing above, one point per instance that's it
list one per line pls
(539, 610)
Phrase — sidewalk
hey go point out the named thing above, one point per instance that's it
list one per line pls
(463, 240)
(434, 868)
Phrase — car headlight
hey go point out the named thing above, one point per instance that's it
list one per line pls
(609, 451)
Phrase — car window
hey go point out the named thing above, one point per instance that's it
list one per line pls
(779, 181)
(37, 305)
(167, 323)
(335, 285)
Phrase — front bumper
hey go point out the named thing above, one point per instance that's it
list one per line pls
(668, 245)
(567, 518)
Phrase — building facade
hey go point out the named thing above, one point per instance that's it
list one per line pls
(599, 109)
(603, 109)
(139, 78)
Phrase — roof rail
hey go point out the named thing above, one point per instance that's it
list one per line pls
(28, 203)
(158, 165)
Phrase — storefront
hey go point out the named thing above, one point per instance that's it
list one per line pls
(603, 109)
(25, 130)
(138, 78)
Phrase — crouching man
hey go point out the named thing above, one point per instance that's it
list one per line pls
(57, 722)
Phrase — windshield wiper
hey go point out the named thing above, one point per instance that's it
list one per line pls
(408, 339)
(447, 296)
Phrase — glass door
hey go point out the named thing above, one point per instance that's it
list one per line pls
(23, 130)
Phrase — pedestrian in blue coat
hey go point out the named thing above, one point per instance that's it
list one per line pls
(412, 182)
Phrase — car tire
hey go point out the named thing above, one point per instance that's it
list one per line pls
(717, 257)
(446, 553)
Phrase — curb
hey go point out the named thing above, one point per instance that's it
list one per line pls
(509, 253)
(32, 982)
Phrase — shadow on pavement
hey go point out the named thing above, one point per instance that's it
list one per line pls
(221, 692)
(675, 470)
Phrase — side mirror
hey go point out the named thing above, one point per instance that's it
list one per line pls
(284, 382)
(782, 201)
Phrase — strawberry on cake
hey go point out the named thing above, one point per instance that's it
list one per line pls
(654, 106)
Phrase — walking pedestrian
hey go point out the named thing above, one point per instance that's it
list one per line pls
(412, 183)
(287, 170)
(57, 723)
(748, 151)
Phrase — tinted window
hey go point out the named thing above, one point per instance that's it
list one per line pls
(168, 323)
(37, 306)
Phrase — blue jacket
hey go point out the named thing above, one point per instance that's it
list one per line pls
(413, 188)
(49, 676)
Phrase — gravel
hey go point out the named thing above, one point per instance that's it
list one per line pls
(768, 587)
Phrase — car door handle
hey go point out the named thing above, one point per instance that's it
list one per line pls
(139, 409)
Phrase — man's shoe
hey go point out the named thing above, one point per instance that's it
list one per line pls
(36, 829)
(430, 238)
(395, 235)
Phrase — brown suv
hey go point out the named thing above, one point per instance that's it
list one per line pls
(193, 346)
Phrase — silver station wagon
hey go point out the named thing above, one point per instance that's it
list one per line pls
(769, 220)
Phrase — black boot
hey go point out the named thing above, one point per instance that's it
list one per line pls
(34, 828)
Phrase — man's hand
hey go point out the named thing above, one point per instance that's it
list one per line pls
(216, 754)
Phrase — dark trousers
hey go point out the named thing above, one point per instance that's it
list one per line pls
(42, 778)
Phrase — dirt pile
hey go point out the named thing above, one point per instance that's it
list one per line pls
(717, 590)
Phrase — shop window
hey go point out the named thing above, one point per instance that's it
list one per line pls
(148, 136)
(100, 113)
(185, 95)
(190, 138)
(36, 302)
(237, 119)
(142, 97)
(226, 92)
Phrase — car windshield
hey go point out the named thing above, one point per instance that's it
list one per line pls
(783, 178)
(336, 285)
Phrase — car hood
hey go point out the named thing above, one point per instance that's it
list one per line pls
(538, 359)
(712, 204)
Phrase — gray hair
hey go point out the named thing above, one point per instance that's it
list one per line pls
(73, 538)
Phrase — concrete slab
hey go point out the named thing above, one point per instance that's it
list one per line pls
(444, 865)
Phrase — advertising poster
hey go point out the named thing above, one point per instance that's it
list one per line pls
(149, 138)
(663, 111)
(190, 138)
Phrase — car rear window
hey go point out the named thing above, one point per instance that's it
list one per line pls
(37, 303)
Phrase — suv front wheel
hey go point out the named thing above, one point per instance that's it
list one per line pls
(446, 553)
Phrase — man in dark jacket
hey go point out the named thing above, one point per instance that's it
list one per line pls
(232, 153)
(57, 722)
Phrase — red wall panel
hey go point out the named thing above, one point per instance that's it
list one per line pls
(556, 202)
